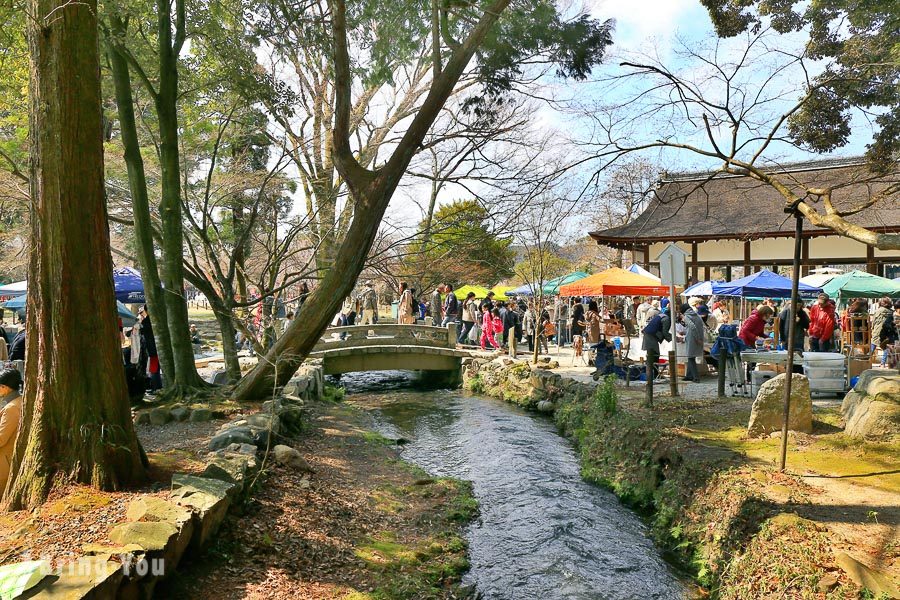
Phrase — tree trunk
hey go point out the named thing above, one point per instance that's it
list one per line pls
(370, 191)
(76, 411)
(185, 370)
(229, 348)
(143, 230)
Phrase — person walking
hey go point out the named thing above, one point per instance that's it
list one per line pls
(487, 328)
(562, 320)
(435, 305)
(10, 415)
(148, 342)
(821, 324)
(641, 314)
(529, 325)
(593, 322)
(17, 348)
(884, 330)
(405, 307)
(694, 336)
(469, 317)
(451, 306)
(511, 324)
(487, 300)
(369, 305)
(801, 325)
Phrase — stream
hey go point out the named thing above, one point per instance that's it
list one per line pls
(542, 532)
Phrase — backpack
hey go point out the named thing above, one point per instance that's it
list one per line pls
(888, 334)
(549, 329)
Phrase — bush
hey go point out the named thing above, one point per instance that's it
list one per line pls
(605, 398)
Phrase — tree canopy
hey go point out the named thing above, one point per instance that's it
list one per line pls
(462, 248)
(860, 44)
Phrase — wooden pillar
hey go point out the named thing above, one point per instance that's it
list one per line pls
(804, 258)
(728, 273)
(706, 273)
(746, 264)
(647, 257)
(871, 265)
(695, 268)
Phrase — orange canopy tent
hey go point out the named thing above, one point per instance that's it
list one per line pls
(614, 282)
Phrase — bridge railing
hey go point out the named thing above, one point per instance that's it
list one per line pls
(356, 336)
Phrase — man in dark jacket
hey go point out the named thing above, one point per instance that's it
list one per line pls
(658, 329)
(801, 324)
(17, 349)
(510, 324)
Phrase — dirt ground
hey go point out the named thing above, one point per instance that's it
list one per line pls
(850, 487)
(363, 525)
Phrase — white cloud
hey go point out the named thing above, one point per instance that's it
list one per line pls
(654, 21)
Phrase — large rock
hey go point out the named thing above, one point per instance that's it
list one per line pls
(208, 499)
(151, 536)
(265, 421)
(228, 469)
(154, 509)
(180, 413)
(160, 415)
(877, 582)
(290, 457)
(872, 408)
(234, 435)
(199, 415)
(768, 408)
(881, 383)
(150, 509)
(88, 578)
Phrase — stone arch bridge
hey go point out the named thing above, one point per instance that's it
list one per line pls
(391, 348)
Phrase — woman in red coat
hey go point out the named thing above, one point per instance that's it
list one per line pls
(754, 326)
(821, 324)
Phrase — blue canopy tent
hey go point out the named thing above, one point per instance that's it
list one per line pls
(522, 290)
(704, 288)
(18, 288)
(128, 318)
(764, 284)
(129, 285)
(636, 268)
(127, 281)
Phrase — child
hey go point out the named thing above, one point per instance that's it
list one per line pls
(496, 325)
(487, 328)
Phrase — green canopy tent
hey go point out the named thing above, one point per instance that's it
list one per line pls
(859, 284)
(552, 286)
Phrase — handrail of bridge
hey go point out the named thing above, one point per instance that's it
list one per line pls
(356, 336)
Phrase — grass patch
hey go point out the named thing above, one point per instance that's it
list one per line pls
(332, 393)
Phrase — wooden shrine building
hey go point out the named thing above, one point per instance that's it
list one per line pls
(734, 221)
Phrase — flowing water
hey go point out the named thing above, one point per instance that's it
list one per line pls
(542, 532)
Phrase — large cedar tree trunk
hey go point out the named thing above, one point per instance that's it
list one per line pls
(77, 418)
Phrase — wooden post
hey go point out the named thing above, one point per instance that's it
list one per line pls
(673, 356)
(695, 269)
(789, 368)
(648, 399)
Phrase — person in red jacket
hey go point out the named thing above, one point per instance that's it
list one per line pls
(821, 324)
(754, 326)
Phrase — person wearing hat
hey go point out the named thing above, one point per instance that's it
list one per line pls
(10, 415)
(694, 336)
(368, 302)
